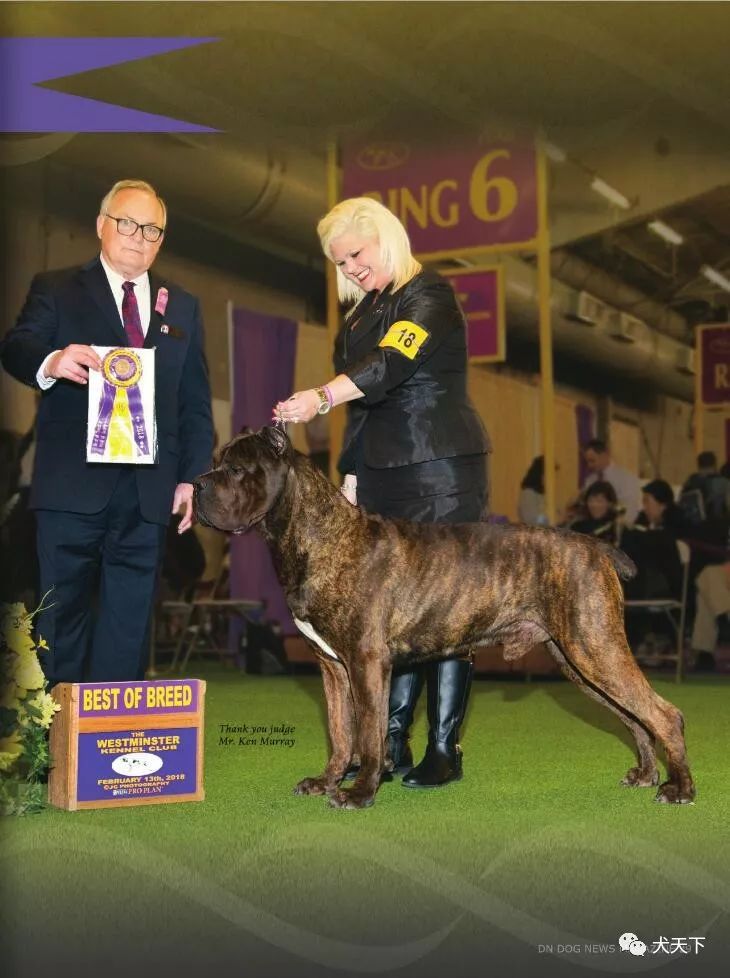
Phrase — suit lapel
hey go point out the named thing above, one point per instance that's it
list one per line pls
(94, 279)
(362, 334)
(153, 327)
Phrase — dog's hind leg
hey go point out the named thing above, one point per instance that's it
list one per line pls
(608, 666)
(646, 774)
(340, 724)
(370, 685)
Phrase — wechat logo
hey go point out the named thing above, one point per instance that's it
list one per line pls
(631, 943)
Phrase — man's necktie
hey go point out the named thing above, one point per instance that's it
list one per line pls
(130, 316)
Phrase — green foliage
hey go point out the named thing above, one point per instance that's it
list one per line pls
(26, 713)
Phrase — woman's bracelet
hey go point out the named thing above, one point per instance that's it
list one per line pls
(329, 396)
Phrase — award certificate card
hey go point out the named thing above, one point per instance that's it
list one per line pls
(121, 426)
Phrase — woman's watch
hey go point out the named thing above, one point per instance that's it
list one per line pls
(324, 402)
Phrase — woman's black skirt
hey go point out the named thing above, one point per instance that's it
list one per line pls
(445, 490)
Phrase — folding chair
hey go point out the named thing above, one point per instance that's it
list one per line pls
(675, 610)
(207, 631)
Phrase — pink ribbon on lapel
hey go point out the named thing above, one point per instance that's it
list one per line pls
(161, 302)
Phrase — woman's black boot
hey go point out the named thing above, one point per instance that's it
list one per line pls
(405, 688)
(447, 692)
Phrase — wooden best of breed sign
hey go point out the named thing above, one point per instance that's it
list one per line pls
(118, 744)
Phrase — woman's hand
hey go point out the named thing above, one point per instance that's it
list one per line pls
(302, 406)
(349, 489)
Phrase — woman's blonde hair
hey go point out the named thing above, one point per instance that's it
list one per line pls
(370, 219)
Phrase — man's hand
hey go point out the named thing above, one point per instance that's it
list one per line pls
(73, 363)
(349, 489)
(184, 498)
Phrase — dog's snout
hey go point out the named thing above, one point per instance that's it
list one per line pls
(201, 484)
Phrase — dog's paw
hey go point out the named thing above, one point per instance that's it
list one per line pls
(311, 786)
(671, 793)
(350, 799)
(636, 778)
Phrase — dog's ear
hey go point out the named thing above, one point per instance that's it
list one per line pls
(246, 430)
(276, 438)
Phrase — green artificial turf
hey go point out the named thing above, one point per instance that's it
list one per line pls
(537, 845)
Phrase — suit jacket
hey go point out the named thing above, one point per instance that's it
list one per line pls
(416, 407)
(77, 306)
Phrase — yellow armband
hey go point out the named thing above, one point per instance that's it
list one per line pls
(405, 337)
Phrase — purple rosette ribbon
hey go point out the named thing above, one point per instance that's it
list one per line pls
(122, 371)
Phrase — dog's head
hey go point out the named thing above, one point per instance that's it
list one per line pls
(248, 478)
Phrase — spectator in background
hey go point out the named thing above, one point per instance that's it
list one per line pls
(713, 486)
(531, 504)
(602, 517)
(713, 599)
(652, 544)
(603, 469)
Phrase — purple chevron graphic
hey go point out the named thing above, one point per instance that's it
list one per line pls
(27, 61)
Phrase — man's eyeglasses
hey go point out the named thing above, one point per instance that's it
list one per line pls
(128, 227)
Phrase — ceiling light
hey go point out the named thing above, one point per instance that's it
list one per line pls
(610, 193)
(664, 231)
(555, 153)
(717, 278)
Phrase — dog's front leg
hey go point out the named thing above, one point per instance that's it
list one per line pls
(340, 725)
(370, 685)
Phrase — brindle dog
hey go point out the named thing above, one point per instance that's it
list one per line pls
(371, 592)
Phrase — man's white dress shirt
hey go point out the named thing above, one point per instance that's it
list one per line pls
(142, 294)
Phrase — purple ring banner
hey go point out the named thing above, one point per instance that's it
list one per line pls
(26, 62)
(451, 199)
(481, 297)
(714, 348)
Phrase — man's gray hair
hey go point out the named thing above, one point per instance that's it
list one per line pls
(132, 185)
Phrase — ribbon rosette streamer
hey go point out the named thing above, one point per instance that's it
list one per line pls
(121, 418)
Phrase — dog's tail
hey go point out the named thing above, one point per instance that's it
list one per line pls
(623, 565)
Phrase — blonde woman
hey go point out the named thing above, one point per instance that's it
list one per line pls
(414, 447)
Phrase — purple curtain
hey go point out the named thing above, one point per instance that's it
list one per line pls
(585, 426)
(263, 349)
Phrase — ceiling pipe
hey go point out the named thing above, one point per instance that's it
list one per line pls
(650, 360)
(270, 196)
(584, 277)
(243, 190)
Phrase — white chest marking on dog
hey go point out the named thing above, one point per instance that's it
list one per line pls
(306, 629)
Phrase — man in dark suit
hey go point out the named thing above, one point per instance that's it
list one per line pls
(101, 527)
